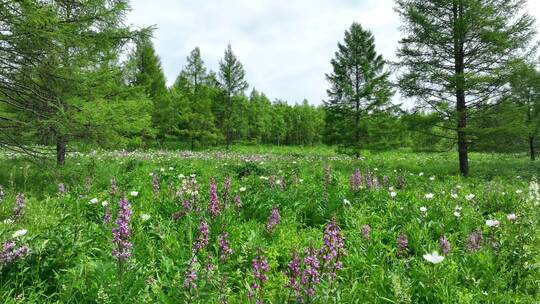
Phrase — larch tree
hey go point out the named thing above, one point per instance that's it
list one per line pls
(454, 57)
(359, 84)
(232, 80)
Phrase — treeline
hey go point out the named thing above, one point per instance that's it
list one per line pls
(469, 66)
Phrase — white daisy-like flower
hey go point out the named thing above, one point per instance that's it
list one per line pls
(134, 193)
(429, 195)
(432, 178)
(457, 214)
(423, 209)
(376, 169)
(171, 168)
(346, 202)
(454, 195)
(145, 217)
(433, 257)
(469, 197)
(104, 203)
(242, 189)
(503, 193)
(301, 180)
(391, 188)
(421, 174)
(19, 233)
(492, 223)
(393, 194)
(94, 201)
(8, 221)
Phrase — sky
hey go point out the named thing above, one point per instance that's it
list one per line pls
(284, 45)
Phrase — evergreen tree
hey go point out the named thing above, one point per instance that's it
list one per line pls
(233, 83)
(57, 59)
(455, 56)
(359, 83)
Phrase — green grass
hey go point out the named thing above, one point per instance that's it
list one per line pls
(70, 247)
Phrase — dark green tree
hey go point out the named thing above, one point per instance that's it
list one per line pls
(455, 56)
(359, 83)
(233, 83)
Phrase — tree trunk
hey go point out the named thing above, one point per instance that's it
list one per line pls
(461, 106)
(60, 151)
(532, 148)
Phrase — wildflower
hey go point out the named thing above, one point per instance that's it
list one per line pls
(469, 197)
(366, 229)
(433, 257)
(134, 193)
(238, 201)
(93, 201)
(534, 192)
(202, 239)
(121, 232)
(259, 266)
(429, 196)
(355, 180)
(511, 217)
(519, 191)
(190, 278)
(88, 184)
(19, 233)
(454, 195)
(457, 214)
(402, 244)
(104, 204)
(474, 240)
(213, 206)
(224, 248)
(432, 178)
(293, 273)
(226, 189)
(8, 221)
(61, 188)
(242, 189)
(346, 202)
(20, 204)
(333, 248)
(273, 219)
(145, 217)
(393, 194)
(492, 223)
(311, 275)
(421, 174)
(445, 245)
(10, 253)
(155, 183)
(423, 209)
(2, 194)
(112, 191)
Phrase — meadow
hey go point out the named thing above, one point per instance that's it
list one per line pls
(278, 225)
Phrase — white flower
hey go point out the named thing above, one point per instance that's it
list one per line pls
(145, 217)
(134, 193)
(492, 223)
(346, 202)
(458, 208)
(242, 189)
(469, 197)
(104, 203)
(391, 188)
(294, 162)
(433, 257)
(376, 169)
(181, 176)
(423, 209)
(511, 217)
(429, 196)
(457, 214)
(171, 168)
(19, 233)
(454, 195)
(94, 201)
(519, 191)
(162, 169)
(504, 193)
(458, 186)
(8, 221)
(393, 194)
(193, 175)
(432, 178)
(421, 174)
(301, 180)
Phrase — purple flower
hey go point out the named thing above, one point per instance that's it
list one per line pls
(213, 207)
(332, 249)
(327, 176)
(474, 240)
(366, 229)
(311, 275)
(61, 189)
(107, 215)
(202, 239)
(113, 189)
(385, 181)
(238, 202)
(10, 253)
(402, 244)
(445, 245)
(120, 233)
(190, 278)
(355, 180)
(155, 183)
(259, 267)
(294, 273)
(273, 219)
(224, 249)
(20, 204)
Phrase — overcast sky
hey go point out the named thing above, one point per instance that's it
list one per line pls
(285, 45)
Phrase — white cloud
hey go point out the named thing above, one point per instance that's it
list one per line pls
(285, 45)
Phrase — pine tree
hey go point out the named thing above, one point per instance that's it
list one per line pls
(233, 83)
(455, 57)
(359, 83)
